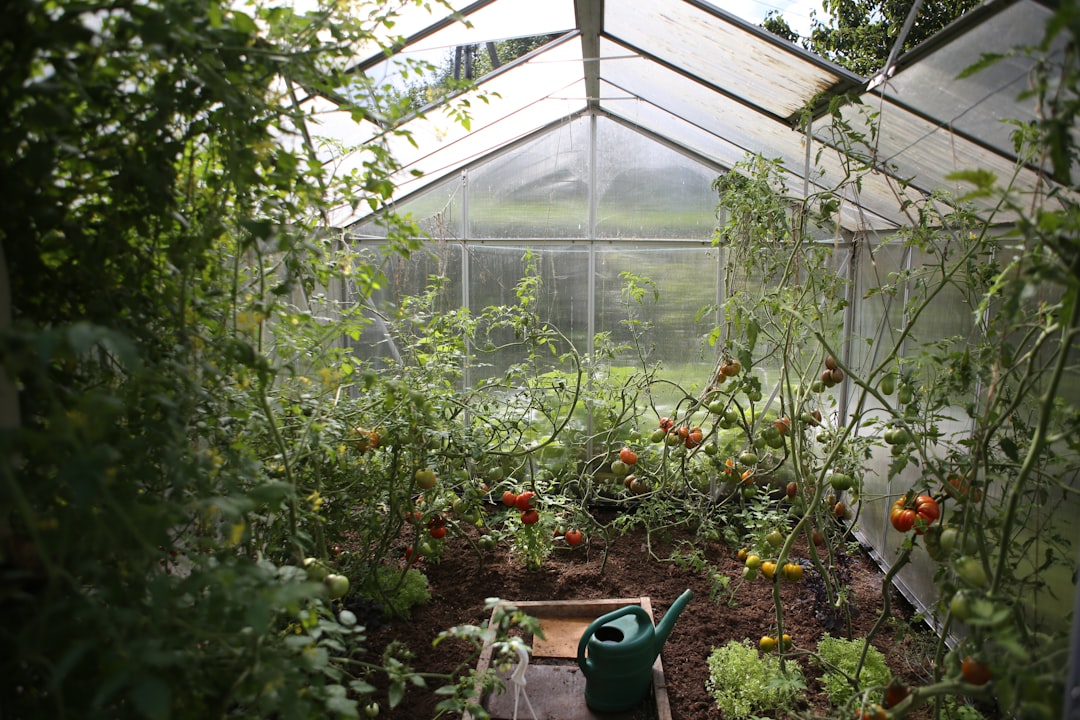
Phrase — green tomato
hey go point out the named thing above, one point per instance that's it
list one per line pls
(316, 569)
(840, 482)
(775, 538)
(775, 441)
(960, 605)
(948, 539)
(748, 459)
(971, 571)
(371, 710)
(887, 385)
(425, 478)
(338, 585)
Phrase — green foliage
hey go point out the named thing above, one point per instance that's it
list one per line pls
(848, 671)
(860, 34)
(185, 427)
(746, 684)
(399, 591)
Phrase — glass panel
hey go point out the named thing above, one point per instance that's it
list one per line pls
(529, 97)
(697, 103)
(407, 19)
(407, 277)
(503, 20)
(770, 75)
(918, 149)
(979, 103)
(649, 191)
(436, 210)
(494, 273)
(539, 190)
(686, 280)
(675, 107)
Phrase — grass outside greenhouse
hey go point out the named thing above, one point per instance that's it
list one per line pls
(245, 448)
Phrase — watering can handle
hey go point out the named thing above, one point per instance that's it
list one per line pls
(586, 663)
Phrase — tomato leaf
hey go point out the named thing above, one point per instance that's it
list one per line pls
(396, 693)
(153, 698)
(1009, 448)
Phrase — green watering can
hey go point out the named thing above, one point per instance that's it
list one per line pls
(617, 652)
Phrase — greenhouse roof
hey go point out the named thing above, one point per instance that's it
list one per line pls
(715, 87)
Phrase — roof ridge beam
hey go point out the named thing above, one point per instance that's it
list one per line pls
(590, 21)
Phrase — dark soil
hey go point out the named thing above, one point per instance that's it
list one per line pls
(460, 584)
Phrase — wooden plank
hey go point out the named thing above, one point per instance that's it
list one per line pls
(561, 636)
(558, 691)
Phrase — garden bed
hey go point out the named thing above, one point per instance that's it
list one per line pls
(640, 566)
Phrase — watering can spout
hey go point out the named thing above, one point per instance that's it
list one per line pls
(668, 622)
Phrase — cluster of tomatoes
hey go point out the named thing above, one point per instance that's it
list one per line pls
(752, 562)
(525, 502)
(365, 439)
(728, 368)
(685, 435)
(623, 467)
(831, 376)
(917, 514)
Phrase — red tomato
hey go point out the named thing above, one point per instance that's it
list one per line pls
(960, 489)
(525, 500)
(693, 438)
(928, 511)
(509, 499)
(902, 518)
(666, 423)
(783, 425)
(974, 672)
(438, 532)
(628, 456)
(530, 517)
(895, 694)
(574, 537)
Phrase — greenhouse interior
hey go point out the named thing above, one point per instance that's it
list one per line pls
(563, 359)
